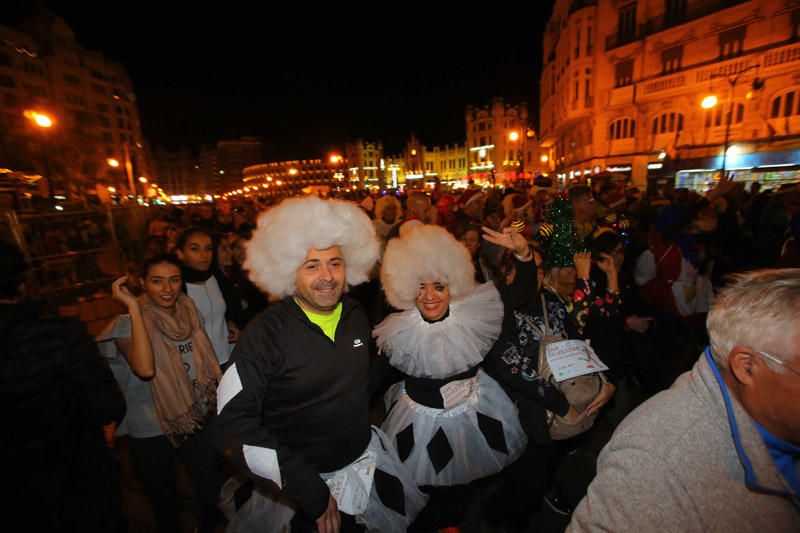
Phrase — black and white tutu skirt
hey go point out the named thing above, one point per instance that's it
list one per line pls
(476, 438)
(390, 502)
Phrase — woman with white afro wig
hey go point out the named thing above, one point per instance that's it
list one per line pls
(286, 232)
(450, 422)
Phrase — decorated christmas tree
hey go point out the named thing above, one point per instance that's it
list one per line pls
(559, 239)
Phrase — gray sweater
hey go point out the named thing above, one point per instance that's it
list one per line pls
(672, 465)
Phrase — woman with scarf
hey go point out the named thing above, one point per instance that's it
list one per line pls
(450, 422)
(212, 292)
(171, 395)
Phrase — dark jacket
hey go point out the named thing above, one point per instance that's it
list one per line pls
(301, 395)
(57, 394)
(513, 362)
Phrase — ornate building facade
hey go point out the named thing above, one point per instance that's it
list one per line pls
(659, 90)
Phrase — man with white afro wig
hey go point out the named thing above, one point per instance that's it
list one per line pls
(285, 233)
(450, 422)
(294, 405)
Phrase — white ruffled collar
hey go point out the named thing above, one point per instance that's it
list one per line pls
(448, 347)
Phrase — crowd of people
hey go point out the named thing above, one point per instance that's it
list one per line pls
(369, 361)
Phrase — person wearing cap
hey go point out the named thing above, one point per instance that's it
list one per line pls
(719, 450)
(450, 422)
(293, 407)
(470, 210)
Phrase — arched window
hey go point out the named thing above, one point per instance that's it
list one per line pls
(785, 105)
(714, 116)
(623, 128)
(668, 123)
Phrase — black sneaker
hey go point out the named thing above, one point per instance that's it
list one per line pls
(556, 501)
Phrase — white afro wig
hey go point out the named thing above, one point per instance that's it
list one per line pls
(425, 254)
(384, 202)
(285, 233)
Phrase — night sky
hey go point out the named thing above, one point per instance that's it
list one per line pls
(306, 81)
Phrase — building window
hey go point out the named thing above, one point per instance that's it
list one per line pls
(5, 60)
(75, 99)
(589, 41)
(674, 11)
(103, 108)
(71, 78)
(668, 123)
(623, 128)
(577, 43)
(107, 137)
(624, 73)
(731, 42)
(32, 68)
(795, 25)
(785, 105)
(35, 90)
(626, 23)
(99, 89)
(714, 116)
(7, 81)
(671, 59)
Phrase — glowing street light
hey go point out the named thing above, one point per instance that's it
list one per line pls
(544, 158)
(113, 163)
(513, 136)
(336, 158)
(112, 190)
(40, 119)
(709, 102)
(292, 172)
(142, 179)
(279, 183)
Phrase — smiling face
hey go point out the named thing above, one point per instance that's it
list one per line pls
(433, 300)
(197, 252)
(162, 284)
(320, 280)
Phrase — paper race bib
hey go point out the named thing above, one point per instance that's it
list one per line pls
(457, 392)
(573, 358)
(351, 485)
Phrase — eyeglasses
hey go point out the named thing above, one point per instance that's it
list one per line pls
(779, 362)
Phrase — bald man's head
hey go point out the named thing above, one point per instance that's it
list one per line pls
(418, 206)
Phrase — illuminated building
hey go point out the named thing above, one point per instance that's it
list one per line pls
(502, 146)
(288, 178)
(90, 98)
(364, 164)
(623, 84)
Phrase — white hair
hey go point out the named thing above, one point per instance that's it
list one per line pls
(423, 255)
(287, 232)
(758, 309)
(384, 202)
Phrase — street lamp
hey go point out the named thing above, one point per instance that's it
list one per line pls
(514, 137)
(43, 123)
(710, 101)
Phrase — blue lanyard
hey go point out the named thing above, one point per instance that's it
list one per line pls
(749, 473)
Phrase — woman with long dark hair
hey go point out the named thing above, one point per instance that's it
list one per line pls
(172, 392)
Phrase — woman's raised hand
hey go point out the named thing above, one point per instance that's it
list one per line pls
(509, 238)
(120, 292)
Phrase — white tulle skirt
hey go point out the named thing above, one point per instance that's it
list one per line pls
(483, 434)
(270, 513)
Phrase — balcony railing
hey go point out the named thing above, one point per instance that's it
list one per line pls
(695, 10)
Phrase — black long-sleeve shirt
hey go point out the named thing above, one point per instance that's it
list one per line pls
(300, 396)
